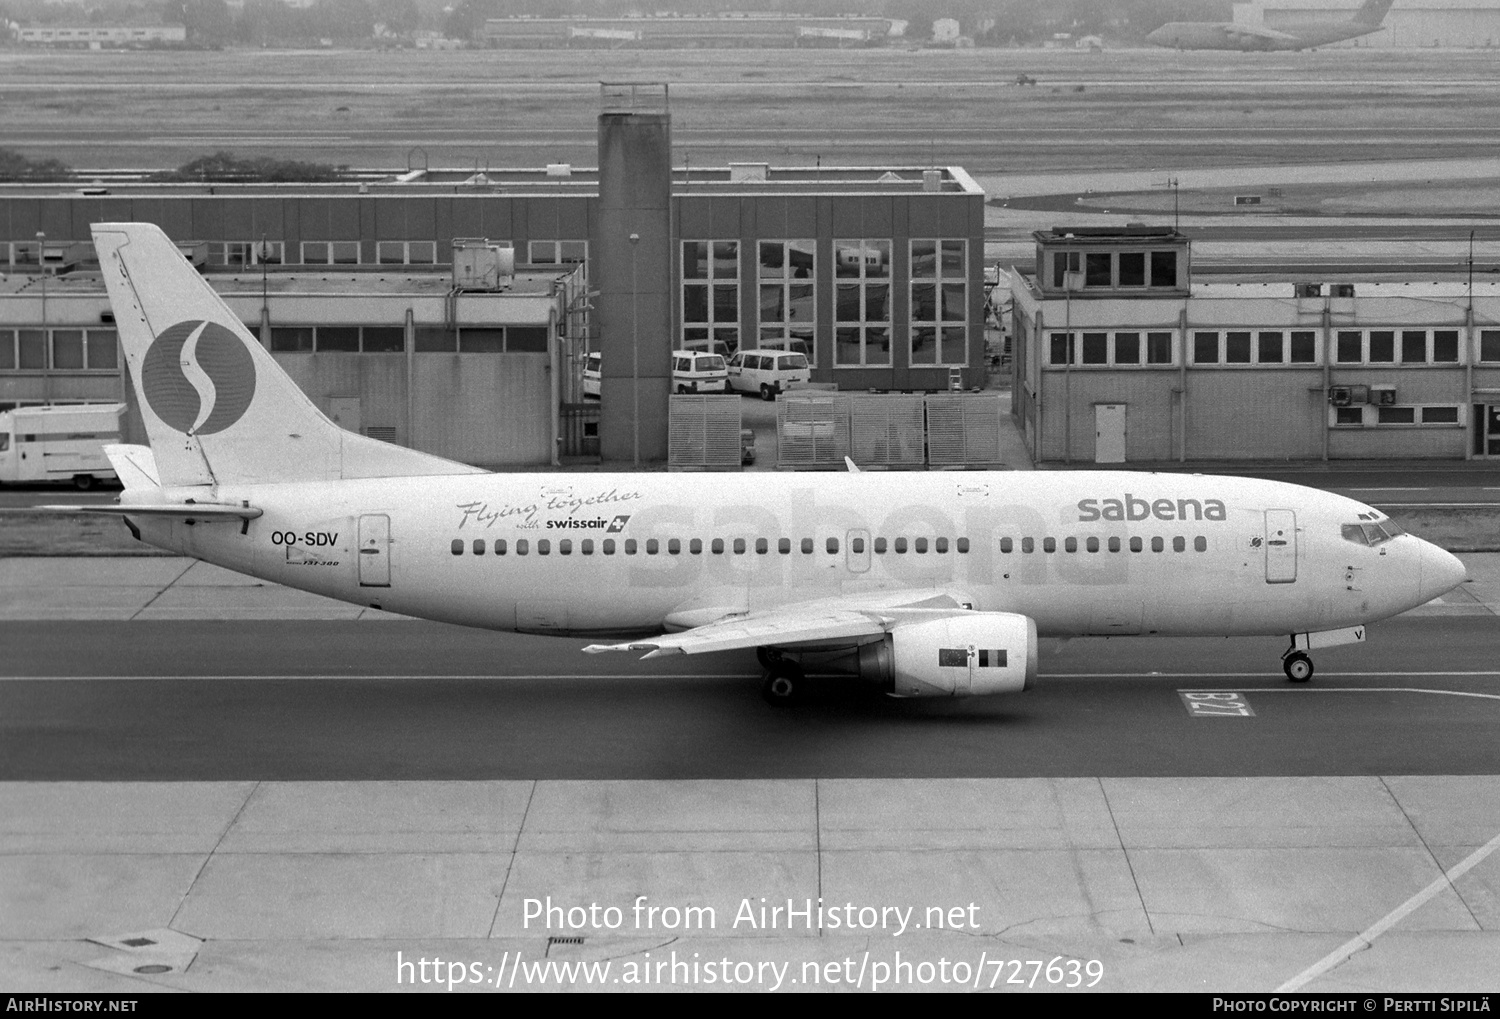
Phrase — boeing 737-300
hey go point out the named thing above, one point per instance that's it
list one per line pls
(933, 584)
(1235, 35)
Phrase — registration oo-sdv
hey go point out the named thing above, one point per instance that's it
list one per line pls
(925, 584)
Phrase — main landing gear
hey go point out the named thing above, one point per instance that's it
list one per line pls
(784, 680)
(1297, 665)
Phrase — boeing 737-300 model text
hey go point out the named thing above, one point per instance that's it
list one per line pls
(926, 584)
(1236, 35)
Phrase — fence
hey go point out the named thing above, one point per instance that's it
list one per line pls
(818, 430)
(703, 432)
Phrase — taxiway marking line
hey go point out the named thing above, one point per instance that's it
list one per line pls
(1387, 489)
(1355, 689)
(748, 675)
(1366, 938)
(1250, 675)
(331, 675)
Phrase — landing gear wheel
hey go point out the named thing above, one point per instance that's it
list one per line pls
(784, 682)
(1298, 667)
(780, 689)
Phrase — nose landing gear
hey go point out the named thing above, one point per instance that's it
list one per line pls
(1297, 666)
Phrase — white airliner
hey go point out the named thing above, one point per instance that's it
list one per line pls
(1236, 35)
(925, 584)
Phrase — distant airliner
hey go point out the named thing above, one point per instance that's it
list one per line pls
(923, 584)
(1232, 35)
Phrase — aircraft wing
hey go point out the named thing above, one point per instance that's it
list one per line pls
(824, 620)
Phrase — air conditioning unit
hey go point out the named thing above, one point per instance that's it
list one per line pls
(1073, 280)
(480, 265)
(1340, 396)
(1383, 396)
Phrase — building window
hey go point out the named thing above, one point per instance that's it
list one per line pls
(1242, 346)
(242, 254)
(59, 349)
(406, 252)
(1303, 348)
(786, 271)
(862, 306)
(1096, 269)
(1164, 268)
(557, 252)
(1159, 348)
(1063, 263)
(1439, 415)
(330, 252)
(1407, 347)
(1489, 345)
(939, 302)
(1237, 347)
(1132, 268)
(711, 296)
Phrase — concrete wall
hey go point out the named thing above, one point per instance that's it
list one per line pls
(633, 312)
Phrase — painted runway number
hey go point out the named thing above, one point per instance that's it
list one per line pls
(1216, 704)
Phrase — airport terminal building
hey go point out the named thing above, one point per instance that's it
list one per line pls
(369, 292)
(1122, 354)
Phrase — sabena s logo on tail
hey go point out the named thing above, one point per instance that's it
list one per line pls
(198, 377)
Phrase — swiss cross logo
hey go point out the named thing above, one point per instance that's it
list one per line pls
(617, 524)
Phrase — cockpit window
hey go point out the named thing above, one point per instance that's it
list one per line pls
(1371, 534)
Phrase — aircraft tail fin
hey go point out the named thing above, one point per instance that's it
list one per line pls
(218, 408)
(1372, 12)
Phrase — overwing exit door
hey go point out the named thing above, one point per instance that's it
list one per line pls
(1281, 546)
(375, 550)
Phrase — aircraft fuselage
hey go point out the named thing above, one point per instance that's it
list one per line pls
(1079, 552)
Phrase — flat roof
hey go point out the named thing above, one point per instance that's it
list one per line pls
(385, 183)
(85, 283)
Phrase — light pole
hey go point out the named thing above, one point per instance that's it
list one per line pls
(41, 264)
(635, 357)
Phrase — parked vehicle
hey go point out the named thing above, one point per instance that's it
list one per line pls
(61, 443)
(694, 371)
(591, 376)
(767, 372)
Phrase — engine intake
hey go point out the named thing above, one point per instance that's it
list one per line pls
(955, 656)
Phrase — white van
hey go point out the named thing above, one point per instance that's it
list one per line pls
(767, 372)
(696, 371)
(591, 376)
(62, 443)
(693, 371)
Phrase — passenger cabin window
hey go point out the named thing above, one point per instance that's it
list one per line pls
(458, 546)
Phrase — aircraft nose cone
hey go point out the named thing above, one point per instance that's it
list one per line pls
(1440, 572)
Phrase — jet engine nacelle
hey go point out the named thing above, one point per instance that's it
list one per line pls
(955, 656)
